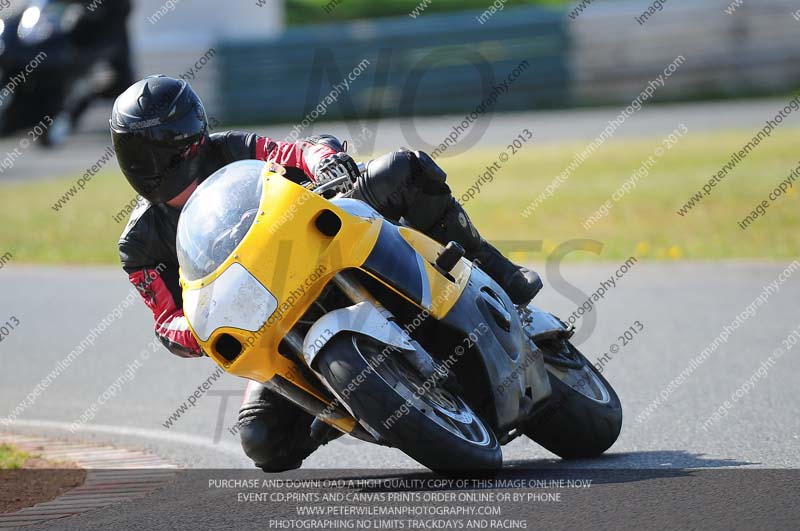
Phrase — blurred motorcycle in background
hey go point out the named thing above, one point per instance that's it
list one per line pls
(56, 58)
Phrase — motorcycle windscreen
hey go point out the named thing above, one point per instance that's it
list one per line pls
(218, 216)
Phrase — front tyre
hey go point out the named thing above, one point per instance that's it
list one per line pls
(424, 420)
(583, 416)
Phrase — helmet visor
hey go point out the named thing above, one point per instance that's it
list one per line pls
(159, 161)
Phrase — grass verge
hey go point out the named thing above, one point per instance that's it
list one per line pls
(643, 223)
(11, 458)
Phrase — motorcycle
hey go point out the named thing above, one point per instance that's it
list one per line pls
(48, 81)
(378, 330)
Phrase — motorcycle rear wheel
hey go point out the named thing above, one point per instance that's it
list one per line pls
(583, 416)
(435, 428)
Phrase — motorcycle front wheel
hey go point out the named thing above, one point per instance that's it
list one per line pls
(418, 416)
(583, 416)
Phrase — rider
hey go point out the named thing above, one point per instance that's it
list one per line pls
(161, 139)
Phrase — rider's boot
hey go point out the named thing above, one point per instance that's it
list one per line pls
(520, 283)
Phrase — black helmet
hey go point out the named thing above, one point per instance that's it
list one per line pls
(160, 133)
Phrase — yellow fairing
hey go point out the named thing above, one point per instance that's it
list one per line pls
(287, 253)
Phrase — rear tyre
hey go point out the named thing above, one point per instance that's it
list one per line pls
(434, 427)
(583, 416)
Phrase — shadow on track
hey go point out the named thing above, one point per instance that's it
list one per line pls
(608, 469)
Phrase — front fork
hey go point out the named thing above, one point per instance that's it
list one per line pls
(366, 316)
(297, 346)
(354, 291)
(418, 357)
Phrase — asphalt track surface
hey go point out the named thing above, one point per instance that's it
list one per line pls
(83, 150)
(664, 469)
